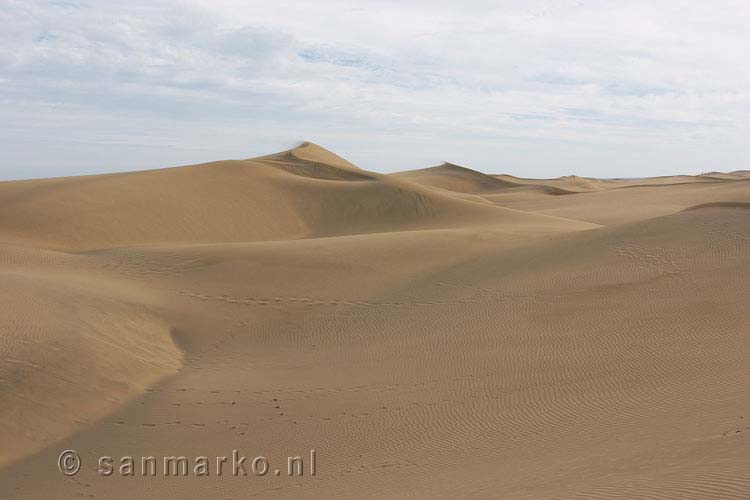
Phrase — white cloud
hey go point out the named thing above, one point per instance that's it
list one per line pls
(609, 88)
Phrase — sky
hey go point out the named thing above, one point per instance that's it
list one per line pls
(537, 88)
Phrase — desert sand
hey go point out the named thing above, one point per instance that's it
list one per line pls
(437, 333)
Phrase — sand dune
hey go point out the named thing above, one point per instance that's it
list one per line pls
(574, 183)
(456, 178)
(305, 192)
(439, 333)
(628, 203)
(721, 176)
(600, 201)
(567, 184)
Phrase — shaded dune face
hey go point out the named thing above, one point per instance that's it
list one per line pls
(434, 333)
(74, 348)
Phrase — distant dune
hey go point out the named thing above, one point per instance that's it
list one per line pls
(455, 178)
(435, 333)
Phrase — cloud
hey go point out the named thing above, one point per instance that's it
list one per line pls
(536, 88)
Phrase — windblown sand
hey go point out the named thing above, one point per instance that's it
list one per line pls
(438, 333)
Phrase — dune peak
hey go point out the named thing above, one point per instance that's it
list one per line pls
(311, 152)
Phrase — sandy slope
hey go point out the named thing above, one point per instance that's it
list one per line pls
(434, 334)
(74, 347)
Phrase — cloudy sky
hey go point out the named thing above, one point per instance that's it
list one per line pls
(535, 88)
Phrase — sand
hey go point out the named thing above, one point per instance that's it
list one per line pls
(438, 333)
